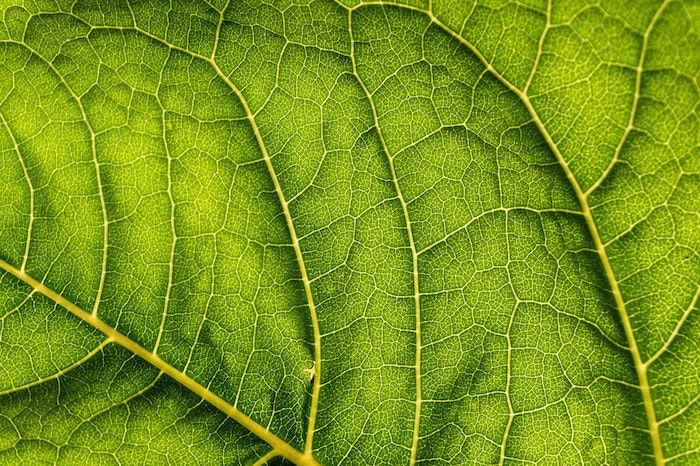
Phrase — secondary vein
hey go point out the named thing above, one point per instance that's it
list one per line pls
(313, 411)
(288, 218)
(96, 163)
(25, 171)
(412, 246)
(640, 367)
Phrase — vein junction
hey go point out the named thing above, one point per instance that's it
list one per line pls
(344, 165)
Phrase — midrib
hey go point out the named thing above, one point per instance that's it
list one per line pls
(284, 203)
(291, 453)
(113, 335)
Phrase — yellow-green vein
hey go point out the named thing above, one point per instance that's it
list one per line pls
(282, 447)
(640, 367)
(412, 247)
(300, 260)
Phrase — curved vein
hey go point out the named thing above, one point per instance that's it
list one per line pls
(282, 447)
(58, 374)
(311, 428)
(635, 99)
(640, 367)
(266, 458)
(250, 116)
(676, 329)
(411, 243)
(98, 177)
(25, 171)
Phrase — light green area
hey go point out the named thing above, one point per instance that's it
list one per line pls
(497, 207)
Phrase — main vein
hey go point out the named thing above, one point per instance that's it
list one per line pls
(279, 445)
(306, 458)
(113, 335)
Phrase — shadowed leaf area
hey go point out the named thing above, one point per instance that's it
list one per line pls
(336, 231)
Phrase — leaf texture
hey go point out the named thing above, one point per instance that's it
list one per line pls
(339, 232)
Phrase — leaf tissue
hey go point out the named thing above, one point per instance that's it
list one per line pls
(348, 231)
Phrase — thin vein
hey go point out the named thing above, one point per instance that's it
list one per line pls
(109, 408)
(58, 374)
(540, 46)
(171, 200)
(98, 176)
(491, 211)
(412, 246)
(509, 364)
(680, 411)
(635, 99)
(25, 171)
(676, 330)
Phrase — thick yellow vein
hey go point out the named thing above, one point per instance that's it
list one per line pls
(412, 246)
(265, 458)
(313, 411)
(640, 367)
(282, 447)
(307, 458)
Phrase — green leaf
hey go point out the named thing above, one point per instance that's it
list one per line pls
(331, 231)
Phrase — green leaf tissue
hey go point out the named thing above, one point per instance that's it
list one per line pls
(349, 232)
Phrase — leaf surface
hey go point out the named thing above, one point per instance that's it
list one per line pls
(337, 232)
